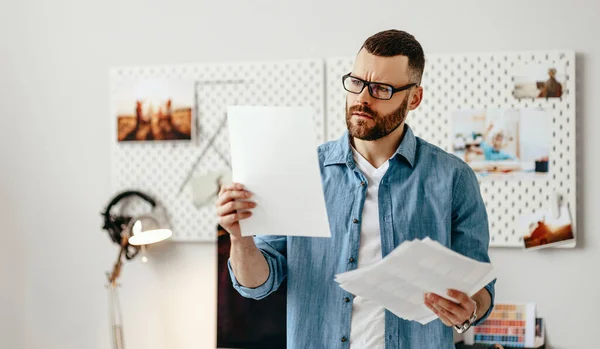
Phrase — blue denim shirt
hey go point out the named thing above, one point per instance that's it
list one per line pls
(425, 192)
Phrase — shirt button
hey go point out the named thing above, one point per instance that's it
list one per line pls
(346, 299)
(344, 339)
(362, 184)
(351, 260)
(355, 221)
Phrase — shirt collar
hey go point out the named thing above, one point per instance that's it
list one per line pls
(341, 151)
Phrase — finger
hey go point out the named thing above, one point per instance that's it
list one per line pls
(451, 310)
(228, 220)
(232, 186)
(227, 196)
(439, 314)
(444, 319)
(233, 206)
(452, 318)
(462, 298)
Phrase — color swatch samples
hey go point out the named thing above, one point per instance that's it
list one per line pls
(512, 325)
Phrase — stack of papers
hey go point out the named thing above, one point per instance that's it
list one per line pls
(400, 281)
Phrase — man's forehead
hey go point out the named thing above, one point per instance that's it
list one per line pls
(393, 70)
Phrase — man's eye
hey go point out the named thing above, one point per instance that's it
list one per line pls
(381, 88)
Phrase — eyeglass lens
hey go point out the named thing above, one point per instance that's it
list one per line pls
(380, 91)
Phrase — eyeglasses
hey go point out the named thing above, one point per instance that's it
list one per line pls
(376, 90)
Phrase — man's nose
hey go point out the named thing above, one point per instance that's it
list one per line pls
(364, 97)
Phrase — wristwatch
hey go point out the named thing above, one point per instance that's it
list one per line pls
(467, 324)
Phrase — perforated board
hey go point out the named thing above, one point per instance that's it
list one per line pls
(160, 167)
(484, 81)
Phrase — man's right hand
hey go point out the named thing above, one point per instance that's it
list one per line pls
(247, 261)
(230, 208)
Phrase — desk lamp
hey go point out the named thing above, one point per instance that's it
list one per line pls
(132, 234)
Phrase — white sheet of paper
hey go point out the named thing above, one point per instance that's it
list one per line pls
(274, 155)
(400, 280)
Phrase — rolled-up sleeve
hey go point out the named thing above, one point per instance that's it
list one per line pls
(470, 229)
(274, 250)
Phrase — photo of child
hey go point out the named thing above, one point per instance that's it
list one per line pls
(503, 143)
(494, 141)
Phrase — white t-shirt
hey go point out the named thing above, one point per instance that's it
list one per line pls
(368, 319)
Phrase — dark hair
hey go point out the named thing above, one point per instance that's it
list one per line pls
(394, 42)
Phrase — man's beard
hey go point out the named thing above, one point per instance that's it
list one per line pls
(384, 125)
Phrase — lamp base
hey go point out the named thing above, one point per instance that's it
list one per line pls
(116, 323)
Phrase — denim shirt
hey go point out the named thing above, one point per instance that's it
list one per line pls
(425, 192)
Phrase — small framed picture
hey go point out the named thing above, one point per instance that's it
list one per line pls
(538, 81)
(546, 228)
(503, 143)
(154, 110)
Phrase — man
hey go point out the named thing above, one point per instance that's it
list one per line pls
(382, 186)
(551, 88)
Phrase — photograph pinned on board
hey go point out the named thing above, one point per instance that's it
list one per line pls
(503, 143)
(154, 110)
(538, 81)
(546, 228)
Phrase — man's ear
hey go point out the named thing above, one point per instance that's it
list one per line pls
(416, 98)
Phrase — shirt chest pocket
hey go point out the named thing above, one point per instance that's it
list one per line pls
(341, 201)
(423, 216)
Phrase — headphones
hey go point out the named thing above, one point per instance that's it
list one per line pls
(116, 224)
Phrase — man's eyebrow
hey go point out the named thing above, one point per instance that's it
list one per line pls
(377, 82)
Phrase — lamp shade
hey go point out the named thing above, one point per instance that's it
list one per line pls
(149, 228)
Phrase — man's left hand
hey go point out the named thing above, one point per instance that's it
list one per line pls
(450, 312)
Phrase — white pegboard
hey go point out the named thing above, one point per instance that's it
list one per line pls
(160, 168)
(484, 81)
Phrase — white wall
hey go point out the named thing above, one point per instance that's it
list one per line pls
(54, 63)
(12, 267)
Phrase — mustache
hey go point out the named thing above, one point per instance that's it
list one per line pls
(363, 109)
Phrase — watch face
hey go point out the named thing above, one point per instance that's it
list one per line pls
(463, 328)
(467, 324)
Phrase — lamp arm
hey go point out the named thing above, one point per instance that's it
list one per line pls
(116, 272)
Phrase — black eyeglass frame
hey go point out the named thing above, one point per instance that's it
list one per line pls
(368, 83)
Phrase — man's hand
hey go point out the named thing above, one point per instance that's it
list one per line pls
(448, 311)
(228, 208)
(452, 313)
(247, 261)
